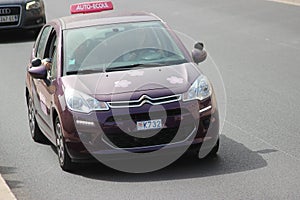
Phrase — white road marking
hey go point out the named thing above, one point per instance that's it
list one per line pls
(291, 2)
(5, 192)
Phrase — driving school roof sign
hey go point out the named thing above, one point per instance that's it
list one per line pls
(90, 7)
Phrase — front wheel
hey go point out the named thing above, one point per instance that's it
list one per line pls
(196, 151)
(63, 157)
(214, 152)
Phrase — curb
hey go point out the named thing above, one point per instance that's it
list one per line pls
(5, 192)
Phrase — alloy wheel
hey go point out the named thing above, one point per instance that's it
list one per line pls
(31, 116)
(60, 144)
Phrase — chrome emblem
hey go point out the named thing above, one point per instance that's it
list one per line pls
(145, 99)
(5, 11)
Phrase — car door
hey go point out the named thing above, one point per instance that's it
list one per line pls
(44, 88)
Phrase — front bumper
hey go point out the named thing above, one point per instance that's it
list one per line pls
(113, 134)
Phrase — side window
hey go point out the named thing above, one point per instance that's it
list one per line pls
(51, 52)
(40, 51)
(53, 71)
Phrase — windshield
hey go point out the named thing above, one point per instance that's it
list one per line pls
(119, 47)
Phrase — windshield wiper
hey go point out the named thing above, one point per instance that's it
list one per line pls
(86, 71)
(128, 67)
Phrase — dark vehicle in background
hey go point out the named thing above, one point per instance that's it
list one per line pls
(22, 15)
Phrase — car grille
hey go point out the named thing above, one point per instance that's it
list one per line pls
(146, 116)
(145, 99)
(164, 136)
(10, 16)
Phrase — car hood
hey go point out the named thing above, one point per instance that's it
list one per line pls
(154, 82)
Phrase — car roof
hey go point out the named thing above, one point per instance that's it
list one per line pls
(103, 18)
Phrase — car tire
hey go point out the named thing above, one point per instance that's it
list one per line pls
(194, 151)
(214, 152)
(35, 131)
(63, 156)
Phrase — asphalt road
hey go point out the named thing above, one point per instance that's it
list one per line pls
(256, 46)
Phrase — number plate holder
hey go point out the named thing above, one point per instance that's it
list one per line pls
(9, 18)
(149, 124)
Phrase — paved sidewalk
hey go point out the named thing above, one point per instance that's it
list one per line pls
(5, 193)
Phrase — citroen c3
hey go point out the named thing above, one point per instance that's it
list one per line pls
(118, 81)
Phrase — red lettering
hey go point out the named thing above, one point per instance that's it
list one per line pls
(91, 7)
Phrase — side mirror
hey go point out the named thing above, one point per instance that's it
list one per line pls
(199, 45)
(198, 53)
(39, 72)
(36, 62)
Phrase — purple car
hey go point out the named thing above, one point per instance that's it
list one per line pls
(101, 84)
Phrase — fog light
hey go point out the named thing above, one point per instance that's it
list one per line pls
(205, 109)
(85, 123)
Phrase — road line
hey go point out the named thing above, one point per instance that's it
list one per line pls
(5, 192)
(291, 2)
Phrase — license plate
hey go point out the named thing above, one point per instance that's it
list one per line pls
(150, 124)
(9, 18)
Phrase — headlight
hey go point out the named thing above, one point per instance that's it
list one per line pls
(33, 5)
(200, 89)
(80, 102)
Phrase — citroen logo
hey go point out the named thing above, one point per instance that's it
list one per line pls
(144, 97)
(5, 11)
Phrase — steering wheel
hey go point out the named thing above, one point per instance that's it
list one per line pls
(143, 54)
